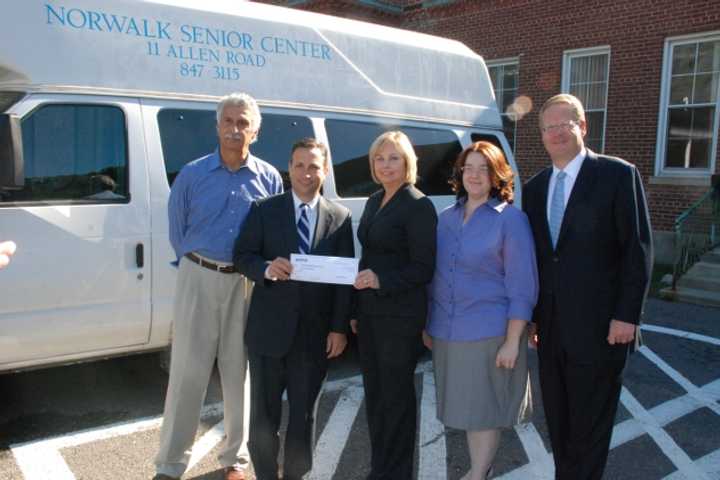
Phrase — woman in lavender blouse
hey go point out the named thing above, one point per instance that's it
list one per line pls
(482, 296)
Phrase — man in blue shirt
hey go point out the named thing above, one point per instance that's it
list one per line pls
(209, 201)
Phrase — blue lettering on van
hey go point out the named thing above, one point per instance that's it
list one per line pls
(103, 22)
(241, 58)
(190, 52)
(215, 37)
(286, 46)
(224, 52)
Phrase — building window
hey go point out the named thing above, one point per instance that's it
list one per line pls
(504, 76)
(585, 75)
(688, 124)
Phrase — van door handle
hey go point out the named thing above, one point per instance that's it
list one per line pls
(139, 255)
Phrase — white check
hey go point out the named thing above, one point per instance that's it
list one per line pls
(322, 269)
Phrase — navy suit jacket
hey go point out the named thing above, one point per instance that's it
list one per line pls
(277, 308)
(600, 268)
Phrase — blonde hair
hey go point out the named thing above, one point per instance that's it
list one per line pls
(575, 104)
(402, 144)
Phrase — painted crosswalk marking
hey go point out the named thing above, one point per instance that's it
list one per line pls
(432, 455)
(42, 459)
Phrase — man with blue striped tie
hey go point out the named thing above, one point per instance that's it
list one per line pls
(593, 246)
(293, 327)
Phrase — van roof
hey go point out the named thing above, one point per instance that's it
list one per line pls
(281, 56)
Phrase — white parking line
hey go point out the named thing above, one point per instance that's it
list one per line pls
(672, 450)
(680, 379)
(206, 443)
(710, 464)
(433, 456)
(664, 414)
(681, 334)
(336, 433)
(540, 465)
(42, 459)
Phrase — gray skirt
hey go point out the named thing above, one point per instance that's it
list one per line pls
(472, 393)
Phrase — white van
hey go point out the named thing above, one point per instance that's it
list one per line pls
(102, 103)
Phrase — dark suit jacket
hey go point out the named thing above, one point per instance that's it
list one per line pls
(601, 267)
(398, 244)
(277, 308)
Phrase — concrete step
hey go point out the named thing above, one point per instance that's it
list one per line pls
(691, 295)
(710, 284)
(705, 269)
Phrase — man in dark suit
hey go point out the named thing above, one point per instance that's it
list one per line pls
(293, 327)
(594, 252)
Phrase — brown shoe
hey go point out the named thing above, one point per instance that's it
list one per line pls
(234, 473)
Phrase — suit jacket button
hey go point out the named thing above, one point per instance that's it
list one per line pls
(556, 259)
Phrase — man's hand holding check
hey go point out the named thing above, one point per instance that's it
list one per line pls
(279, 269)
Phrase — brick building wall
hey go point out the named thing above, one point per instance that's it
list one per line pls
(538, 32)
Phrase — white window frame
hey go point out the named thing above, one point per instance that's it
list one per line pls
(568, 56)
(661, 143)
(502, 62)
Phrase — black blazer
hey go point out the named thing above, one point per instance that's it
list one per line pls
(277, 308)
(601, 267)
(398, 244)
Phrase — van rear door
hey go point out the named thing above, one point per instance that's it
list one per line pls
(79, 284)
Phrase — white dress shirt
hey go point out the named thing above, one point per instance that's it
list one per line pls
(571, 170)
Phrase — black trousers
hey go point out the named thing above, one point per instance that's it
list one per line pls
(301, 373)
(388, 363)
(580, 398)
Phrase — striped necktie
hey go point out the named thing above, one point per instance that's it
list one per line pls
(303, 228)
(557, 207)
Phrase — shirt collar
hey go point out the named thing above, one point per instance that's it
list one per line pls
(251, 163)
(573, 167)
(492, 202)
(496, 204)
(214, 161)
(312, 204)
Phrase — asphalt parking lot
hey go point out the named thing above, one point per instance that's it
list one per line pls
(101, 420)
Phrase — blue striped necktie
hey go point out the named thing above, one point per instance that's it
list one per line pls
(557, 207)
(303, 228)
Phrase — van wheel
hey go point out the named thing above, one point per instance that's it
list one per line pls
(164, 360)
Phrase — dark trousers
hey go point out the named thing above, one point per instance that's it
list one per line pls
(302, 374)
(580, 398)
(388, 363)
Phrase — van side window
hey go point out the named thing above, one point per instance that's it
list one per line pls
(190, 134)
(350, 141)
(74, 154)
(479, 137)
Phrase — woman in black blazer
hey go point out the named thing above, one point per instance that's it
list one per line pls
(397, 234)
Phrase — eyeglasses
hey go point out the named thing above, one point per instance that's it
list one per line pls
(471, 169)
(560, 127)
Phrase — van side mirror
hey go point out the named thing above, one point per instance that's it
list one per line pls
(12, 164)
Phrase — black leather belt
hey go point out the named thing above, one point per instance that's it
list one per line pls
(210, 265)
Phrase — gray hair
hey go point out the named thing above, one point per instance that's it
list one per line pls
(240, 99)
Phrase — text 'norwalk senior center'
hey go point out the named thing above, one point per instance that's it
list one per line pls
(105, 22)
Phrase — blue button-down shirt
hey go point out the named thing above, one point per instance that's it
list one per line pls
(209, 202)
(485, 272)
